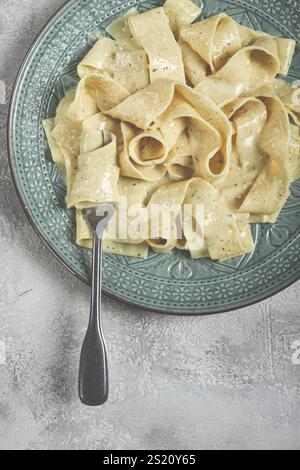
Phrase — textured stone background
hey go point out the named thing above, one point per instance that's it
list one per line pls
(224, 382)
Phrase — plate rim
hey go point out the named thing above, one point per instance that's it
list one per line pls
(12, 100)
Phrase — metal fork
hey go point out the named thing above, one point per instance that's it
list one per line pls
(93, 372)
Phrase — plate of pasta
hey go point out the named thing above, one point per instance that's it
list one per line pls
(185, 116)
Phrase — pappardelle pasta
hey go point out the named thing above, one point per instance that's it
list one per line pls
(171, 112)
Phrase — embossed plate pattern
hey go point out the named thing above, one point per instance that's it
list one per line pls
(169, 283)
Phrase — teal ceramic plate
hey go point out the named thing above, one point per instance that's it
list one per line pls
(170, 283)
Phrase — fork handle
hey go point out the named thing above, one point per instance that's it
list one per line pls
(93, 372)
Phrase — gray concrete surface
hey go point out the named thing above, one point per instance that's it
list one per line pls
(225, 382)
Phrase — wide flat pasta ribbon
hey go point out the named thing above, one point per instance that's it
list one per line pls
(217, 39)
(165, 102)
(220, 235)
(151, 30)
(96, 132)
(214, 40)
(290, 96)
(120, 31)
(128, 67)
(294, 154)
(249, 67)
(104, 90)
(206, 131)
(131, 161)
(64, 131)
(258, 182)
(274, 143)
(180, 163)
(181, 13)
(96, 181)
